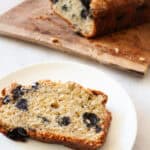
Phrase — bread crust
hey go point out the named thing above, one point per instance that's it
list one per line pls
(74, 143)
(118, 14)
(113, 15)
(48, 137)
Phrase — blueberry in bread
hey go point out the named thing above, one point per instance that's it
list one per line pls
(95, 17)
(55, 112)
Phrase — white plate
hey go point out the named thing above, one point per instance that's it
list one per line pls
(123, 129)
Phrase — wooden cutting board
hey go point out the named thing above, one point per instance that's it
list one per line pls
(34, 21)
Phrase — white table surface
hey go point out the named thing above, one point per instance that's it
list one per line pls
(15, 54)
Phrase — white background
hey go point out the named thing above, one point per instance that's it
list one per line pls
(15, 54)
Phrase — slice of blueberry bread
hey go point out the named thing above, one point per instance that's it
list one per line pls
(95, 17)
(55, 112)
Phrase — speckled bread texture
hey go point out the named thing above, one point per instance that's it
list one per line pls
(55, 112)
(97, 17)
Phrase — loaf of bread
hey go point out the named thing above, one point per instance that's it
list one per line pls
(55, 112)
(96, 17)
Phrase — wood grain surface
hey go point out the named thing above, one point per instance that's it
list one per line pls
(34, 21)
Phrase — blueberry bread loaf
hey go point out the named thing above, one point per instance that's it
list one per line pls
(95, 17)
(55, 112)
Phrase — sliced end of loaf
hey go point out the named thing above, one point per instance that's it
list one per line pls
(78, 15)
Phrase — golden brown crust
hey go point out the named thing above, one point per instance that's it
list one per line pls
(3, 92)
(105, 97)
(113, 15)
(106, 5)
(75, 143)
(120, 14)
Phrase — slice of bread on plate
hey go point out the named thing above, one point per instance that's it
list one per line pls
(55, 112)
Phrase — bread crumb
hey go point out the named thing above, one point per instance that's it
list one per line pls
(117, 50)
(43, 17)
(55, 40)
(142, 59)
